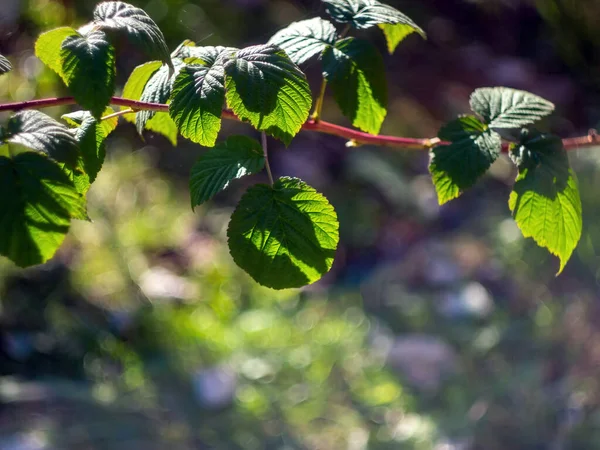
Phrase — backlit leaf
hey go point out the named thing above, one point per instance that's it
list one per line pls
(545, 199)
(48, 47)
(36, 207)
(285, 235)
(363, 14)
(356, 72)
(88, 69)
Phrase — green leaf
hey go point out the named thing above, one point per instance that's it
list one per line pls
(362, 14)
(198, 98)
(456, 167)
(91, 134)
(230, 160)
(34, 130)
(136, 24)
(305, 39)
(36, 207)
(265, 87)
(545, 199)
(284, 236)
(157, 90)
(356, 72)
(502, 107)
(160, 122)
(48, 47)
(5, 65)
(88, 69)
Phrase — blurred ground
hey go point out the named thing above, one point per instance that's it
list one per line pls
(437, 329)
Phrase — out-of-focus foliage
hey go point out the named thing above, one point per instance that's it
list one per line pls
(439, 328)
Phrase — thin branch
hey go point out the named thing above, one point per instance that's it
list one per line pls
(263, 139)
(118, 113)
(354, 137)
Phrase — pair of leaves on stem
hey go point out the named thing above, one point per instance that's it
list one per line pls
(283, 235)
(353, 67)
(545, 199)
(85, 58)
(43, 178)
(259, 83)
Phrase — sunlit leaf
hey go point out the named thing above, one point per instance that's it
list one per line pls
(472, 150)
(5, 65)
(284, 236)
(266, 88)
(199, 95)
(48, 47)
(363, 14)
(88, 69)
(36, 207)
(305, 39)
(356, 72)
(545, 200)
(136, 25)
(502, 107)
(227, 161)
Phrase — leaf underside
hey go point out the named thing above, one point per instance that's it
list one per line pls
(284, 236)
(5, 65)
(305, 39)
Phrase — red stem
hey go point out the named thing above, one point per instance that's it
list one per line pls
(354, 137)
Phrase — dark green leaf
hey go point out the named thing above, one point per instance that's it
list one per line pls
(502, 107)
(265, 87)
(90, 135)
(157, 90)
(305, 39)
(284, 236)
(34, 130)
(232, 159)
(5, 65)
(456, 167)
(545, 199)
(363, 14)
(48, 47)
(198, 98)
(88, 69)
(356, 72)
(36, 207)
(136, 24)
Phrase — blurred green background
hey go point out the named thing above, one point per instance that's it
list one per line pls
(437, 329)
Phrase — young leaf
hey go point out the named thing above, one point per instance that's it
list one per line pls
(48, 47)
(502, 107)
(265, 87)
(232, 159)
(473, 149)
(356, 72)
(88, 69)
(162, 123)
(305, 39)
(91, 134)
(284, 235)
(362, 14)
(545, 199)
(136, 24)
(5, 65)
(36, 207)
(34, 130)
(198, 98)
